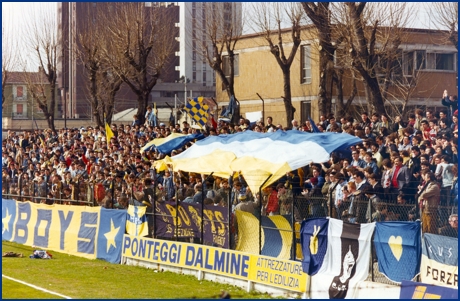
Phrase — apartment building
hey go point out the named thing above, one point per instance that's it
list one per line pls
(424, 54)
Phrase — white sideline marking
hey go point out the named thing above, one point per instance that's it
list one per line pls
(37, 287)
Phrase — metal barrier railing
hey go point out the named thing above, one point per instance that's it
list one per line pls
(360, 210)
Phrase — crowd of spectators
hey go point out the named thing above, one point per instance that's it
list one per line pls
(404, 169)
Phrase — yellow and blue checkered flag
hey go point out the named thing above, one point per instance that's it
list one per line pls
(197, 110)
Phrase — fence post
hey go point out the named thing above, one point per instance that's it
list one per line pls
(293, 248)
(202, 207)
(34, 194)
(154, 205)
(331, 205)
(372, 259)
(229, 224)
(177, 215)
(20, 188)
(112, 190)
(260, 220)
(91, 193)
(7, 190)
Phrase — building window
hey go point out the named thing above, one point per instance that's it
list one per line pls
(440, 61)
(194, 66)
(19, 110)
(204, 76)
(408, 63)
(19, 93)
(306, 64)
(194, 76)
(193, 55)
(445, 61)
(226, 65)
(420, 59)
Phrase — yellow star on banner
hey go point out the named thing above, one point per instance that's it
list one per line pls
(111, 236)
(6, 221)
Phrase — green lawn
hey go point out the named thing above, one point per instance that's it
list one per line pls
(14, 290)
(81, 278)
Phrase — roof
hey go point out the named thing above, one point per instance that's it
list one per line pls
(15, 77)
(311, 26)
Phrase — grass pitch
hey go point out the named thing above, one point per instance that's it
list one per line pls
(13, 290)
(81, 278)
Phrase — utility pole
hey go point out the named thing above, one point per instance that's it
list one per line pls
(185, 95)
(70, 59)
(175, 109)
(32, 111)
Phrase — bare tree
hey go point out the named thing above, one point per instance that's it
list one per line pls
(320, 15)
(444, 16)
(42, 38)
(268, 19)
(143, 43)
(373, 33)
(9, 57)
(101, 82)
(216, 30)
(38, 89)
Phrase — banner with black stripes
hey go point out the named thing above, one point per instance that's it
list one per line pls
(346, 261)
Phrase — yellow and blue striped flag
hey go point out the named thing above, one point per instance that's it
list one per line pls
(197, 110)
(136, 221)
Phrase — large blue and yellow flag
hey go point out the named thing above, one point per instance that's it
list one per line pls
(168, 144)
(262, 158)
(276, 235)
(197, 110)
(398, 248)
(136, 222)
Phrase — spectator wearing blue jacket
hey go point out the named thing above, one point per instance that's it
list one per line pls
(450, 102)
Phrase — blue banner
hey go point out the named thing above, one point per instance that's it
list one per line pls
(90, 232)
(184, 221)
(442, 249)
(8, 218)
(313, 238)
(111, 231)
(398, 249)
(417, 290)
(439, 264)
